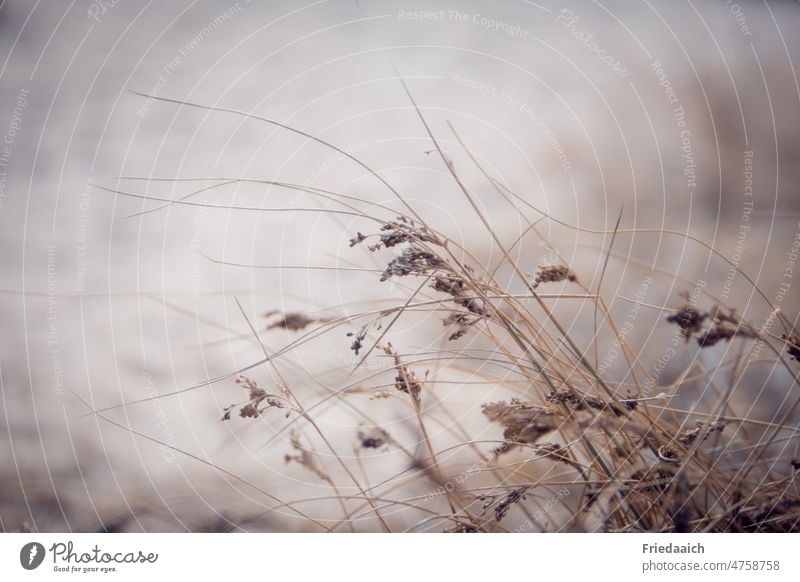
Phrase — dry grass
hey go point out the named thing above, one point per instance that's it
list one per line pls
(575, 447)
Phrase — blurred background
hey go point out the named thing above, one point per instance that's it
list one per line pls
(675, 115)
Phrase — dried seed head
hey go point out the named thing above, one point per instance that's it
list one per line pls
(668, 455)
(395, 232)
(524, 422)
(717, 333)
(414, 261)
(456, 287)
(358, 342)
(373, 438)
(359, 238)
(448, 284)
(584, 401)
(394, 237)
(293, 321)
(406, 380)
(631, 404)
(792, 346)
(505, 504)
(554, 451)
(305, 457)
(554, 274)
(473, 305)
(258, 400)
(724, 326)
(688, 436)
(462, 321)
(688, 319)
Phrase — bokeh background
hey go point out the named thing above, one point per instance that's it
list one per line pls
(680, 115)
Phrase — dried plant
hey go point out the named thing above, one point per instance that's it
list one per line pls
(792, 345)
(563, 443)
(293, 321)
(724, 324)
(305, 457)
(374, 438)
(523, 422)
(258, 400)
(554, 274)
